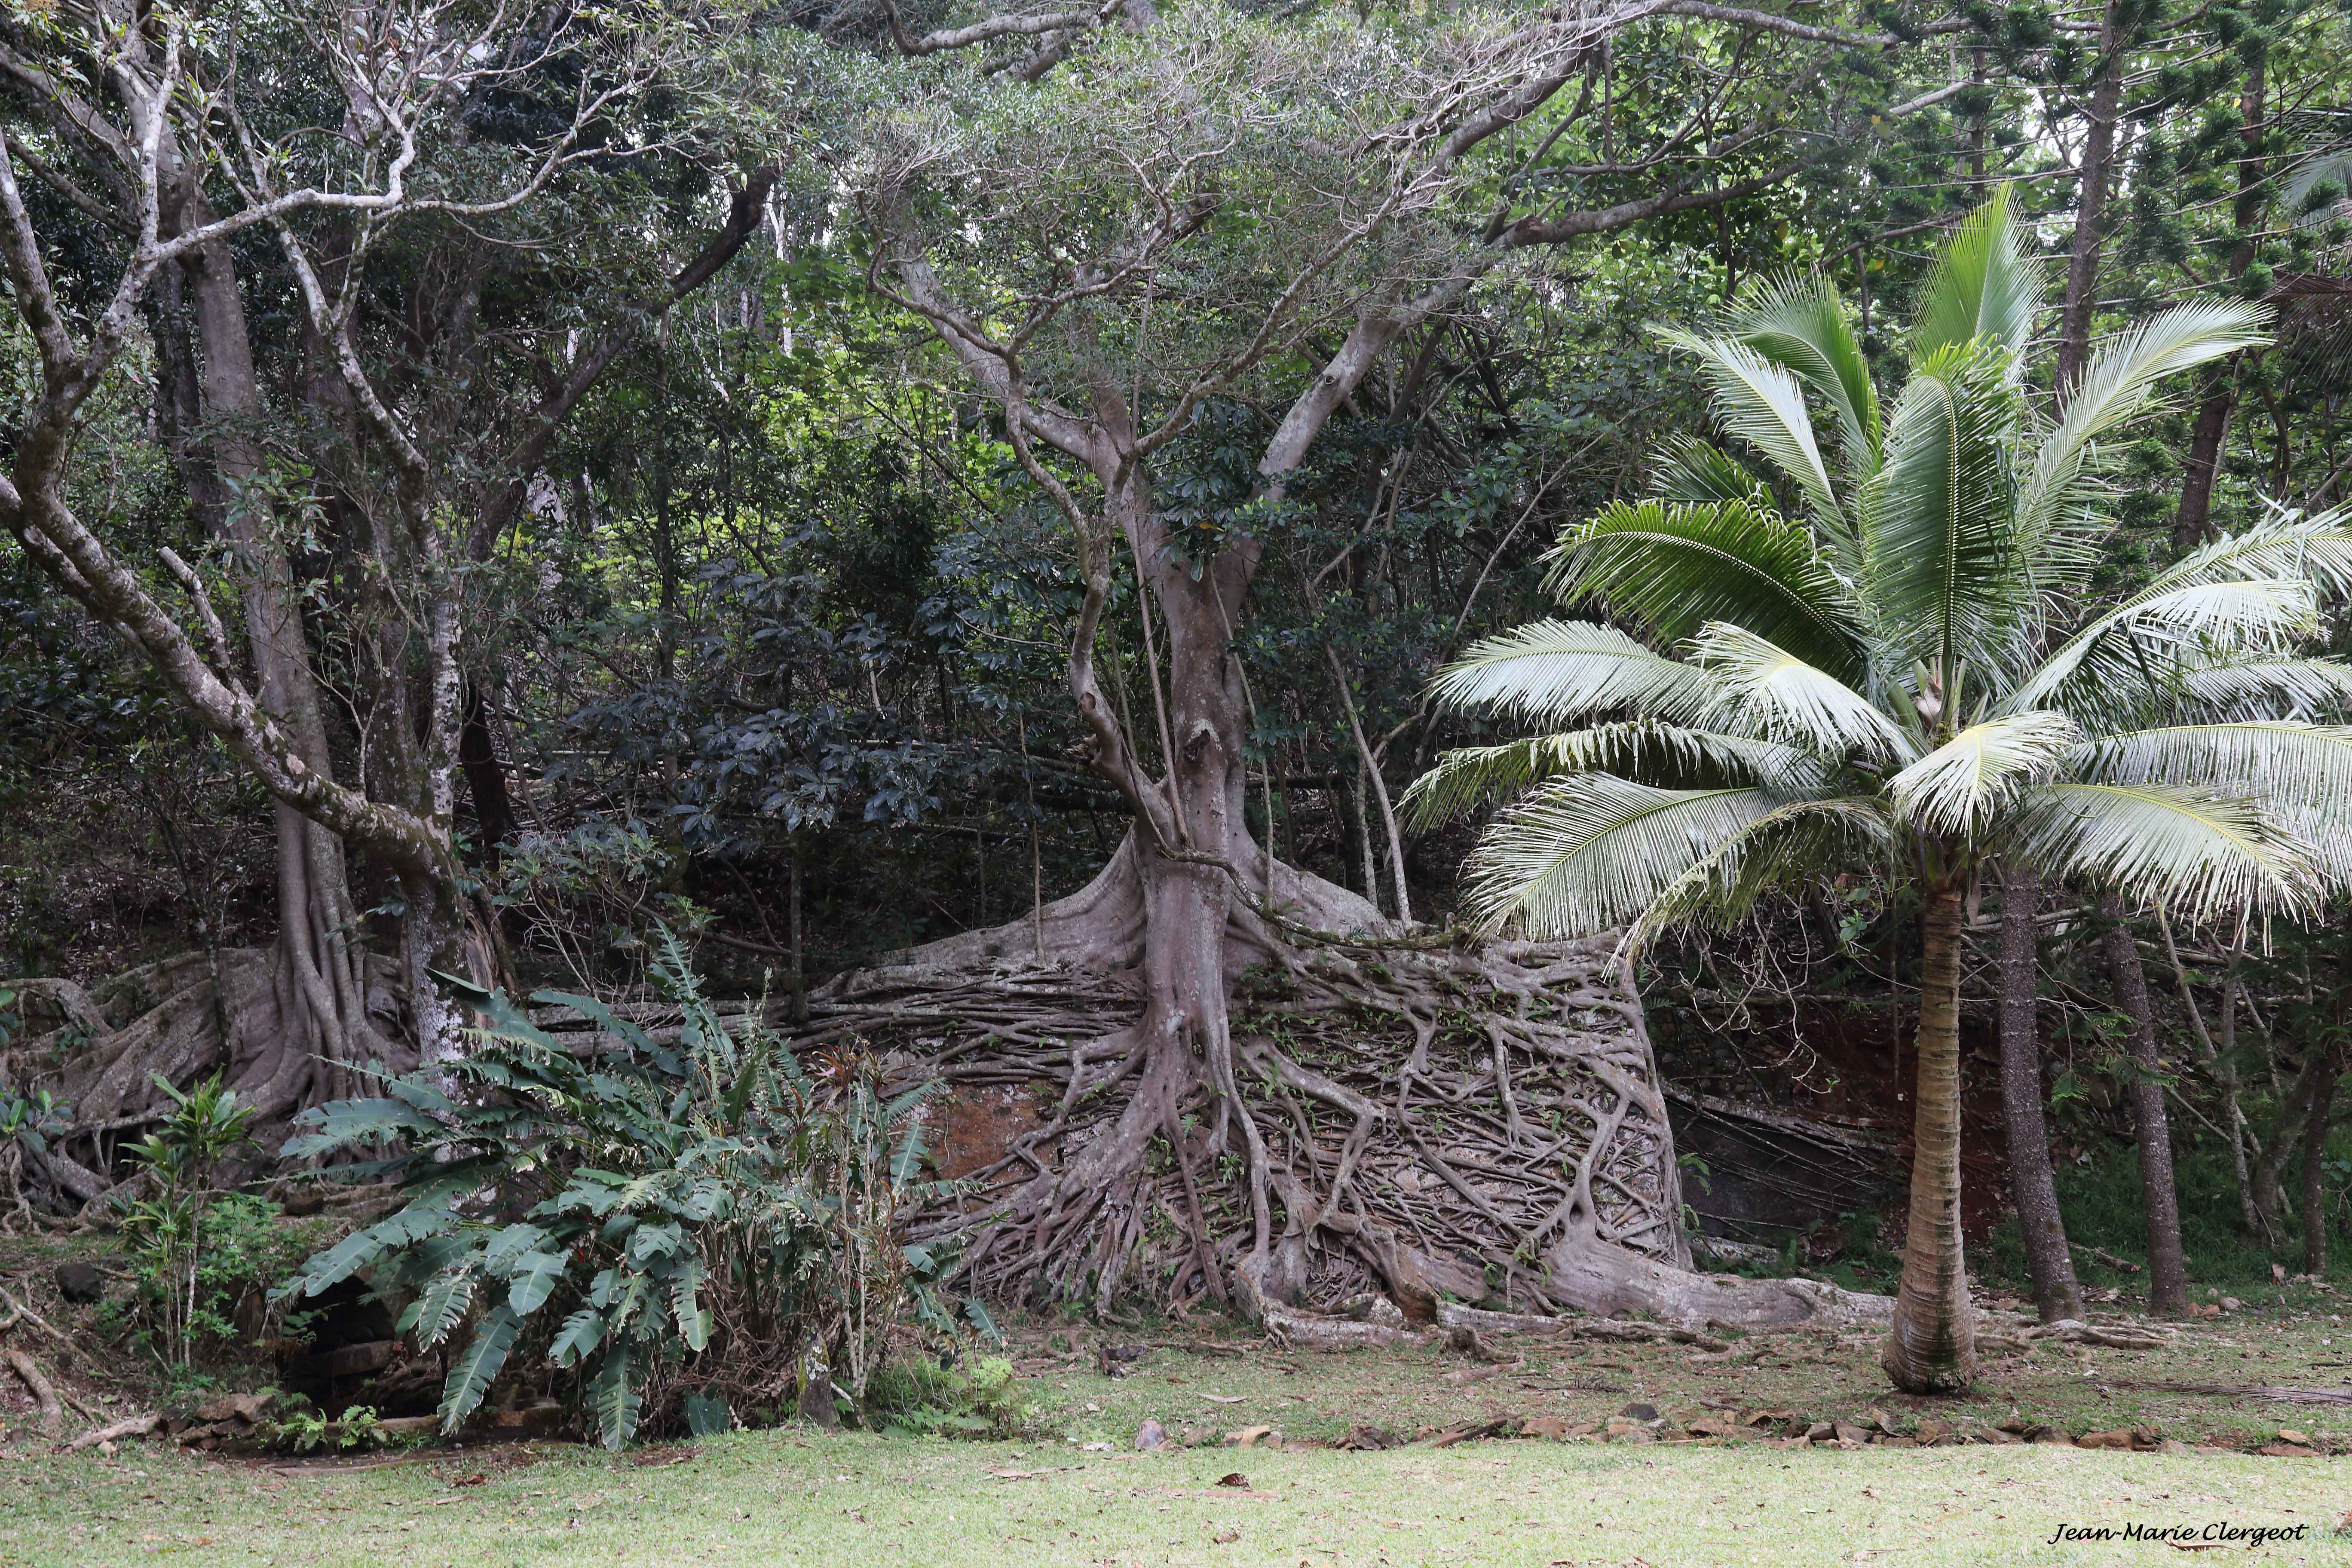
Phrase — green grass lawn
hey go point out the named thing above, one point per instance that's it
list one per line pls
(1078, 1493)
(864, 1501)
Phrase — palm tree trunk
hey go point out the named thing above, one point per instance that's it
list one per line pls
(1933, 1347)
(2167, 1289)
(2031, 1185)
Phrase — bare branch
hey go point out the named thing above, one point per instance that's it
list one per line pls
(216, 634)
(995, 28)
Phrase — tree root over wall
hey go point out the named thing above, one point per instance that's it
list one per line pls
(1417, 1117)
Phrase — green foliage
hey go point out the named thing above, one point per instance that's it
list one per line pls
(194, 1253)
(642, 1216)
(306, 1431)
(1905, 633)
(983, 1400)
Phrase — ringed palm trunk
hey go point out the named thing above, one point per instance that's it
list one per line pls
(1933, 1347)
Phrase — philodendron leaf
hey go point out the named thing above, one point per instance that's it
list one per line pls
(686, 1303)
(469, 1378)
(582, 1332)
(534, 1278)
(442, 1305)
(614, 1396)
(508, 1245)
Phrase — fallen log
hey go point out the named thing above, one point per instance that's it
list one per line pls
(128, 1426)
(44, 1394)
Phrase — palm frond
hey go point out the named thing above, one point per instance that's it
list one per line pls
(1675, 568)
(1588, 852)
(1667, 754)
(1766, 688)
(1946, 579)
(1960, 787)
(2283, 763)
(1764, 405)
(1987, 285)
(2147, 647)
(1699, 472)
(1788, 846)
(1559, 672)
(1799, 324)
(2192, 850)
(2260, 687)
(2118, 386)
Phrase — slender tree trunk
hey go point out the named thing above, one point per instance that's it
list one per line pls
(2314, 1151)
(2167, 1290)
(2101, 112)
(2191, 520)
(486, 779)
(2031, 1184)
(1933, 1347)
(2240, 1135)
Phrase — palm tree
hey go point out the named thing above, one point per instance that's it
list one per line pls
(1894, 673)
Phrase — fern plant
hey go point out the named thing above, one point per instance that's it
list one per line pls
(641, 1216)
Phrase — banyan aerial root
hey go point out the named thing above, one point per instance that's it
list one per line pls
(238, 1012)
(1415, 1119)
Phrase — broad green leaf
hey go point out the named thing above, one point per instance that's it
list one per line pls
(470, 1375)
(582, 1332)
(535, 1278)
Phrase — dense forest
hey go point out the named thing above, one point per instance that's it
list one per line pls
(1561, 658)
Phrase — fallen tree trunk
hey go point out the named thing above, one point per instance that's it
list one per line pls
(53, 1414)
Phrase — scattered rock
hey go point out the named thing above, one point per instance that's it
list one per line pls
(2287, 1451)
(1850, 1435)
(80, 1283)
(1248, 1437)
(1371, 1440)
(2288, 1435)
(1150, 1435)
(2230, 1303)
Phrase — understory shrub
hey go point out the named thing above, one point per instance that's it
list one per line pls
(645, 1220)
(200, 1259)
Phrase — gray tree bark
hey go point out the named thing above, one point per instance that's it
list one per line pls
(2031, 1184)
(2167, 1291)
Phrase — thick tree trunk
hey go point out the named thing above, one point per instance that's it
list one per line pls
(2167, 1290)
(321, 1029)
(2031, 1184)
(1933, 1346)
